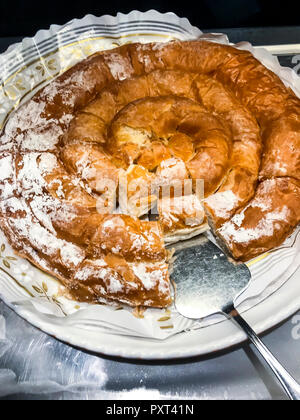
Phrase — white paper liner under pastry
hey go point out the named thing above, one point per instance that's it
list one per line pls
(25, 68)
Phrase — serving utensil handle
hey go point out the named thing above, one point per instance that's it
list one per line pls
(291, 387)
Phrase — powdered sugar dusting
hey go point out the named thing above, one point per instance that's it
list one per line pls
(187, 209)
(233, 232)
(33, 222)
(66, 89)
(119, 66)
(39, 208)
(8, 184)
(94, 269)
(114, 286)
(158, 46)
(40, 238)
(6, 167)
(109, 280)
(33, 167)
(47, 163)
(28, 116)
(281, 168)
(71, 254)
(222, 203)
(152, 276)
(29, 175)
(42, 140)
(31, 130)
(171, 170)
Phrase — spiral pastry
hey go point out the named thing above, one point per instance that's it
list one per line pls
(122, 133)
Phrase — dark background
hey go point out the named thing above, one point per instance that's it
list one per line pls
(25, 17)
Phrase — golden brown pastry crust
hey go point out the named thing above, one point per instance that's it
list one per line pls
(181, 215)
(267, 220)
(239, 127)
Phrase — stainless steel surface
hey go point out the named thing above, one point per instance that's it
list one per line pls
(291, 387)
(207, 283)
(36, 366)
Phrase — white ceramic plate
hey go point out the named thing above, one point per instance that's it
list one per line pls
(275, 289)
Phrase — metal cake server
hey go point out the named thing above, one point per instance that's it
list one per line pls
(207, 283)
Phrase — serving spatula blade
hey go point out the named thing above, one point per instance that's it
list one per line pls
(206, 283)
